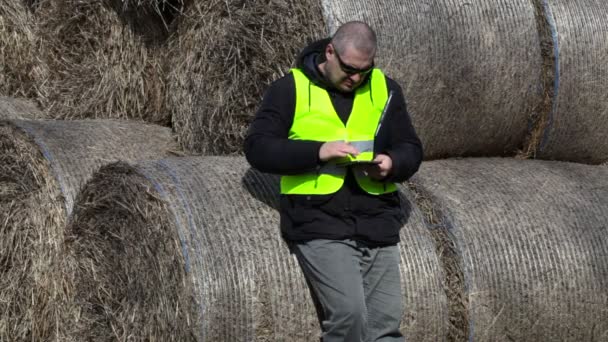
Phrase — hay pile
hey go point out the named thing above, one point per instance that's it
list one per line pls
(223, 56)
(471, 71)
(18, 108)
(148, 240)
(19, 67)
(533, 239)
(42, 165)
(98, 68)
(579, 124)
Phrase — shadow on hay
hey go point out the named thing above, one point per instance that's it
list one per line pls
(263, 187)
(153, 22)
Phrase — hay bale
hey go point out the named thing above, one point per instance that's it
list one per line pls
(533, 239)
(19, 66)
(213, 222)
(471, 71)
(18, 108)
(98, 68)
(42, 165)
(578, 126)
(223, 56)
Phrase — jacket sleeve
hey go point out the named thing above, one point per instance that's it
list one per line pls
(403, 145)
(267, 147)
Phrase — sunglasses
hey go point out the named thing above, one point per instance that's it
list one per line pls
(351, 70)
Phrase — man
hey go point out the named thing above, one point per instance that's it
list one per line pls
(341, 219)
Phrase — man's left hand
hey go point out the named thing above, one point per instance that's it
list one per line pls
(381, 170)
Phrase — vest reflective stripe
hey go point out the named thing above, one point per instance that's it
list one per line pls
(316, 119)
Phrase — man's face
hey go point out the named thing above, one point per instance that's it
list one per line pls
(347, 69)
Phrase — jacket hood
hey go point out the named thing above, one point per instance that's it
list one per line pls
(309, 59)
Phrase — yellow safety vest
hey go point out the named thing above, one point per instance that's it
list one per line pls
(316, 119)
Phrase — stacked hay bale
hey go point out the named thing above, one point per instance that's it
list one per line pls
(98, 68)
(532, 241)
(43, 164)
(471, 71)
(223, 56)
(578, 125)
(206, 261)
(19, 66)
(18, 108)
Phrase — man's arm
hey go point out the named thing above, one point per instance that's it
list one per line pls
(267, 147)
(403, 145)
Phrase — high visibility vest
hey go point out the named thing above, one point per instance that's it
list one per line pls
(316, 119)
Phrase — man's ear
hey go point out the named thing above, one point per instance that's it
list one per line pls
(329, 51)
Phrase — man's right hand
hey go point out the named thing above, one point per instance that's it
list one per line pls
(336, 149)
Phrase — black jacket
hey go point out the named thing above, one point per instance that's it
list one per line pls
(350, 212)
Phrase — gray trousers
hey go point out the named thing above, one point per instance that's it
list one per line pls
(357, 289)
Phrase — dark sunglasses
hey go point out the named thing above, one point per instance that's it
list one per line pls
(351, 70)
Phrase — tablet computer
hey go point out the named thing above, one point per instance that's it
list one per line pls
(358, 162)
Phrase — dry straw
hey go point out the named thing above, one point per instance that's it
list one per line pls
(533, 241)
(19, 66)
(470, 71)
(223, 56)
(42, 165)
(98, 68)
(189, 249)
(578, 127)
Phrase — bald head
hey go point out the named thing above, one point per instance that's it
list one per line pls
(357, 35)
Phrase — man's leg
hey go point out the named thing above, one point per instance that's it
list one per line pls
(333, 271)
(382, 286)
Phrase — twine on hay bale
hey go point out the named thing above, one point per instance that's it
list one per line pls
(218, 217)
(98, 68)
(42, 165)
(532, 236)
(19, 66)
(579, 123)
(470, 71)
(18, 108)
(223, 56)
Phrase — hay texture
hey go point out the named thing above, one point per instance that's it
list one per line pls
(19, 66)
(18, 108)
(470, 71)
(578, 125)
(196, 255)
(98, 68)
(42, 166)
(223, 56)
(533, 239)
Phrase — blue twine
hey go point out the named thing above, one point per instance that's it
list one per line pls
(51, 159)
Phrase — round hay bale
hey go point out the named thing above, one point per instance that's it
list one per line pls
(470, 71)
(579, 123)
(98, 68)
(18, 108)
(223, 56)
(19, 66)
(213, 222)
(534, 243)
(42, 166)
